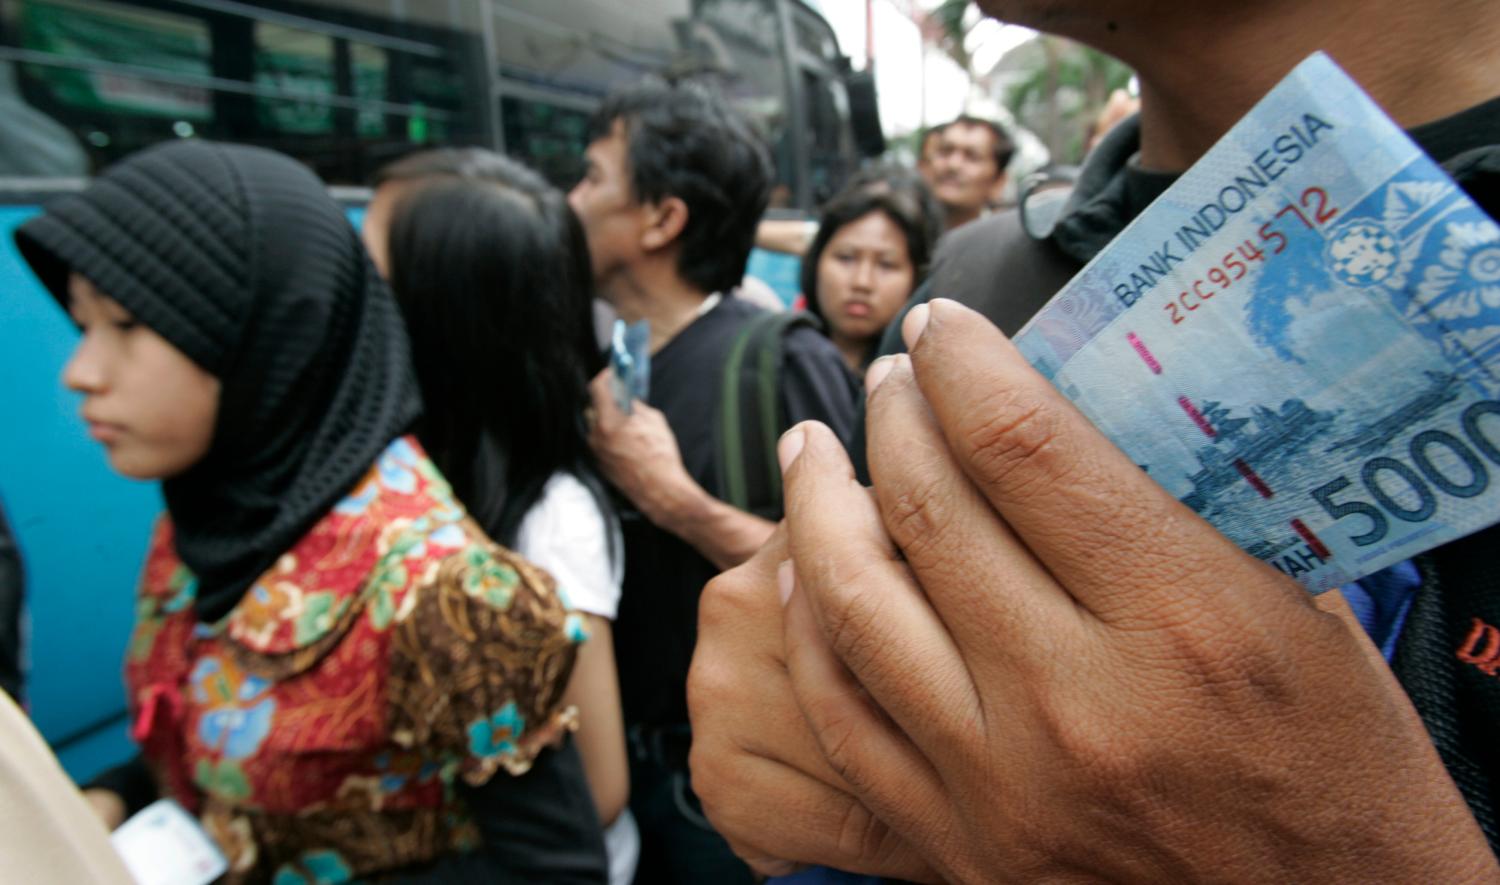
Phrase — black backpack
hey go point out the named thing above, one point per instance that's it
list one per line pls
(751, 417)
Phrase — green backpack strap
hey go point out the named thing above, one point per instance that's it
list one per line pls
(751, 418)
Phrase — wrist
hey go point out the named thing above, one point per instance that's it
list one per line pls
(678, 506)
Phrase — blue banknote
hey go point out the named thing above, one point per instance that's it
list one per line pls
(630, 363)
(1300, 340)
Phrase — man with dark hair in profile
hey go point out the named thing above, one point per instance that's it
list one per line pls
(966, 167)
(674, 187)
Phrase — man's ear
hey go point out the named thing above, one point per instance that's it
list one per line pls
(665, 221)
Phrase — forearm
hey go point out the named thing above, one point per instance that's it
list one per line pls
(787, 236)
(594, 690)
(725, 535)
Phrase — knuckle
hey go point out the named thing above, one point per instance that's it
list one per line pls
(852, 622)
(1103, 749)
(705, 685)
(860, 834)
(1014, 442)
(918, 518)
(708, 775)
(726, 598)
(838, 737)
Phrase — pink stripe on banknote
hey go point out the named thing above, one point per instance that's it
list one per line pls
(1140, 348)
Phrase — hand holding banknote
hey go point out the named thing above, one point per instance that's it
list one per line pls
(636, 449)
(1077, 632)
(1028, 659)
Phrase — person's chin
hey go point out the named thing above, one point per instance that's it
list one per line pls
(952, 194)
(852, 329)
(133, 465)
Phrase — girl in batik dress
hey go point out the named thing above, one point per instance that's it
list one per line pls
(331, 662)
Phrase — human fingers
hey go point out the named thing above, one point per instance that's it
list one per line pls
(607, 414)
(875, 617)
(738, 686)
(980, 578)
(757, 768)
(1066, 490)
(870, 752)
(783, 820)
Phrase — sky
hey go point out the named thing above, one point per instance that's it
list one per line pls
(909, 100)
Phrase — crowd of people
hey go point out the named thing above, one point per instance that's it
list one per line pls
(430, 603)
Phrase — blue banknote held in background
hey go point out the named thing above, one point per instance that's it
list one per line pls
(630, 363)
(1300, 340)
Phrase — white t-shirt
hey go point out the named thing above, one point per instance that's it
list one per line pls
(565, 533)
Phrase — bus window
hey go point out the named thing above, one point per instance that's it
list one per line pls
(348, 85)
(371, 72)
(826, 107)
(342, 86)
(814, 36)
(549, 137)
(115, 77)
(745, 45)
(291, 61)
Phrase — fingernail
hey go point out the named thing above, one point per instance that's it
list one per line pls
(914, 325)
(877, 372)
(786, 579)
(790, 447)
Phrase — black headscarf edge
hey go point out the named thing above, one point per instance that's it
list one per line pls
(231, 528)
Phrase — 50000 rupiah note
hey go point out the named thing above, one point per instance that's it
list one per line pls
(1300, 340)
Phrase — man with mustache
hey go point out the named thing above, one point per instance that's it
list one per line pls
(966, 167)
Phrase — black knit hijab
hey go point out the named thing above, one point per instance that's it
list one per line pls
(238, 257)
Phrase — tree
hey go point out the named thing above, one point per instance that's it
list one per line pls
(1058, 88)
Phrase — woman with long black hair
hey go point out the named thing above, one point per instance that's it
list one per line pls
(491, 270)
(332, 666)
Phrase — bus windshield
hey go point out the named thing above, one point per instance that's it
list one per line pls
(348, 85)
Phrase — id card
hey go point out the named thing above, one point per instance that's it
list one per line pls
(164, 845)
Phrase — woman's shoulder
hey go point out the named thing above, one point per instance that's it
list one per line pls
(362, 558)
(486, 638)
(566, 493)
(572, 533)
(567, 509)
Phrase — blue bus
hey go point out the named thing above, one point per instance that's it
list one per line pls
(346, 86)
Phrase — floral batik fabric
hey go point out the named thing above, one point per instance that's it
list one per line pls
(319, 729)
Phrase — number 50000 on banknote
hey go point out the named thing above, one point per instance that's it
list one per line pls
(1300, 339)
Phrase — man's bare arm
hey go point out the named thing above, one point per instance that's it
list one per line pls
(639, 456)
(785, 235)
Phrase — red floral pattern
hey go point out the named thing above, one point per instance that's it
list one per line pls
(323, 722)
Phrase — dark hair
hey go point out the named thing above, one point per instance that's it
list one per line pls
(473, 163)
(491, 270)
(1001, 145)
(901, 196)
(684, 141)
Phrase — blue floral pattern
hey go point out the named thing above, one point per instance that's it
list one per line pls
(497, 734)
(324, 867)
(237, 719)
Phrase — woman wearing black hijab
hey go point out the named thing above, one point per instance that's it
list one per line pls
(330, 658)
